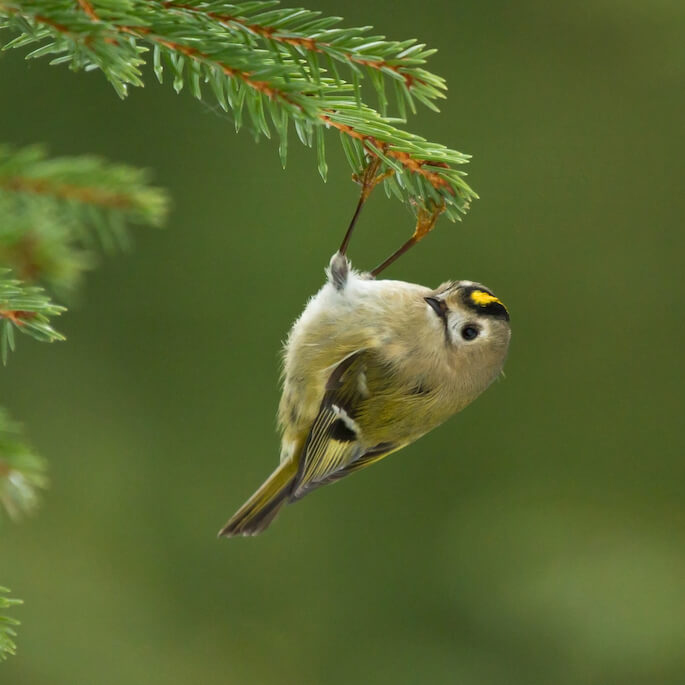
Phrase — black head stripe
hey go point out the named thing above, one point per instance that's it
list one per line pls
(482, 301)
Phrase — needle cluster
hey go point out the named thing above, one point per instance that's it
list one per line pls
(7, 624)
(274, 69)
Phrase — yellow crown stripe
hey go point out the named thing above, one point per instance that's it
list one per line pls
(481, 298)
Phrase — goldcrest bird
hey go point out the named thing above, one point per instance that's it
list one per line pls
(369, 367)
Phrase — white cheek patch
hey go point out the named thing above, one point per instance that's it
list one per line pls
(457, 323)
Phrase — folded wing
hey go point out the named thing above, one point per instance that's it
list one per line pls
(336, 444)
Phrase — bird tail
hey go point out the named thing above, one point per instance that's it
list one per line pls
(261, 509)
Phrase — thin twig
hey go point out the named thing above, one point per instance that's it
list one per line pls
(66, 191)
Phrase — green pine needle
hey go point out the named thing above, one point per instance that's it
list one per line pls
(7, 625)
(26, 309)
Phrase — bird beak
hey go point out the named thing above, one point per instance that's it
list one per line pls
(438, 306)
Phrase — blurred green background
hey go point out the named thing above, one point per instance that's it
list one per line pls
(536, 538)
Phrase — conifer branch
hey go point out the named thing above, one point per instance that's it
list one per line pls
(52, 211)
(26, 309)
(279, 66)
(308, 32)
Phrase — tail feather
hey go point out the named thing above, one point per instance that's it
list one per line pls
(261, 509)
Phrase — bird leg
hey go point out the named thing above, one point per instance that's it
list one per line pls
(368, 180)
(425, 222)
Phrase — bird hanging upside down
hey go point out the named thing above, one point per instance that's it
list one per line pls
(369, 367)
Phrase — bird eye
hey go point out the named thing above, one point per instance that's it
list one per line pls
(469, 332)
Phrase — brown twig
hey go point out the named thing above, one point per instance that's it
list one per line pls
(66, 191)
(404, 158)
(17, 316)
(88, 9)
(262, 86)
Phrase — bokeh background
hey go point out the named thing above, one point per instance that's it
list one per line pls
(536, 538)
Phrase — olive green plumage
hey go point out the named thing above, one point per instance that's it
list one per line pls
(369, 367)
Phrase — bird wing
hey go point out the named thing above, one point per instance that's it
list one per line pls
(335, 445)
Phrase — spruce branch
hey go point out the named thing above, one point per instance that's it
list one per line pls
(7, 625)
(269, 66)
(27, 309)
(52, 209)
(22, 471)
(303, 33)
(50, 212)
